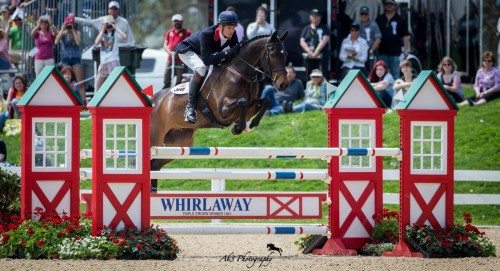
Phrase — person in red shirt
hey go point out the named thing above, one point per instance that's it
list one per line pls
(174, 36)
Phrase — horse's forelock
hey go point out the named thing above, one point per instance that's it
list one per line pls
(246, 43)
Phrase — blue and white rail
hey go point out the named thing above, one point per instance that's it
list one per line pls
(244, 229)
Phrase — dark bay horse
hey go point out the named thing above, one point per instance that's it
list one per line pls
(231, 92)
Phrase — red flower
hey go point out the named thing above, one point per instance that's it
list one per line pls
(40, 243)
(30, 231)
(2, 229)
(5, 238)
(12, 226)
(138, 246)
(69, 230)
(60, 234)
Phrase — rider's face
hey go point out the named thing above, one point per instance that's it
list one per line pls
(228, 31)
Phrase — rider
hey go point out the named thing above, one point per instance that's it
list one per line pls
(211, 46)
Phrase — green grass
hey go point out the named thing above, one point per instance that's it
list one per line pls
(477, 130)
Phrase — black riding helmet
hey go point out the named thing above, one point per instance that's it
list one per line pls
(228, 18)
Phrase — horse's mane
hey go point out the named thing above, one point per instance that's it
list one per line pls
(254, 39)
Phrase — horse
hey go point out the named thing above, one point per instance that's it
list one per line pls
(271, 247)
(229, 95)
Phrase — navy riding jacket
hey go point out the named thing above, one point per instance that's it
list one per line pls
(206, 44)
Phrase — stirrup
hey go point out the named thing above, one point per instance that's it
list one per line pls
(190, 119)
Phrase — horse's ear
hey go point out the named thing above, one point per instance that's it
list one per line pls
(283, 37)
(274, 36)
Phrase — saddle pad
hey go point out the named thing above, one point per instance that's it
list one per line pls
(182, 88)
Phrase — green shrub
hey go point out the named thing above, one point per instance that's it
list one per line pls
(386, 229)
(10, 189)
(304, 241)
(376, 249)
(89, 247)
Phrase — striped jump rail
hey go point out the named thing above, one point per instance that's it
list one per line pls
(244, 229)
(266, 153)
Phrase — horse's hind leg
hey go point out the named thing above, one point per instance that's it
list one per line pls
(263, 105)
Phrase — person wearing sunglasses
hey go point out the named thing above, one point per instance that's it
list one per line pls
(450, 78)
(371, 33)
(44, 34)
(353, 51)
(487, 83)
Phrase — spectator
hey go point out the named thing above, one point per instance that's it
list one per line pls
(382, 81)
(19, 87)
(403, 84)
(370, 32)
(4, 49)
(395, 34)
(315, 93)
(5, 18)
(314, 41)
(16, 42)
(260, 26)
(174, 36)
(240, 31)
(70, 39)
(121, 23)
(44, 34)
(353, 51)
(487, 84)
(204, 48)
(3, 152)
(284, 100)
(107, 39)
(450, 78)
(67, 74)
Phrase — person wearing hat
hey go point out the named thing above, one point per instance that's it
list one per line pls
(353, 51)
(314, 41)
(107, 39)
(69, 39)
(15, 38)
(44, 35)
(315, 93)
(204, 48)
(173, 37)
(5, 17)
(370, 32)
(121, 23)
(395, 35)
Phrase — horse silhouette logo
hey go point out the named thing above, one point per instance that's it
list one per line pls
(271, 246)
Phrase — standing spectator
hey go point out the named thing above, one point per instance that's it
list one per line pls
(240, 31)
(4, 19)
(4, 49)
(16, 42)
(382, 81)
(121, 23)
(44, 34)
(283, 100)
(260, 26)
(19, 87)
(107, 39)
(371, 33)
(314, 41)
(71, 55)
(403, 84)
(353, 51)
(173, 36)
(450, 78)
(315, 93)
(395, 34)
(487, 84)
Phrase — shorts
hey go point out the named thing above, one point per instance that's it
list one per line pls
(71, 61)
(105, 69)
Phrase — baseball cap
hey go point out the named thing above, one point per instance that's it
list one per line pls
(315, 12)
(390, 1)
(316, 73)
(177, 17)
(114, 4)
(4, 8)
(364, 10)
(355, 26)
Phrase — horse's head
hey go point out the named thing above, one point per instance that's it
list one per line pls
(273, 62)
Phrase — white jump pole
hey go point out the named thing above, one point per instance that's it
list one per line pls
(243, 229)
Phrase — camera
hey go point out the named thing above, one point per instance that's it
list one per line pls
(69, 27)
(110, 26)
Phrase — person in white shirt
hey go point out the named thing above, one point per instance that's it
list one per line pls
(354, 51)
(260, 26)
(121, 23)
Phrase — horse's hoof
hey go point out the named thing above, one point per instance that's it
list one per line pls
(236, 131)
(248, 129)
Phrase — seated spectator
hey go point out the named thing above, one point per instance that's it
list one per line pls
(353, 51)
(315, 93)
(450, 78)
(3, 152)
(282, 100)
(403, 84)
(487, 84)
(19, 87)
(121, 23)
(44, 34)
(107, 39)
(71, 55)
(4, 49)
(382, 81)
(67, 73)
(260, 26)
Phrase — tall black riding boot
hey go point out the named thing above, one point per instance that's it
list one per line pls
(194, 87)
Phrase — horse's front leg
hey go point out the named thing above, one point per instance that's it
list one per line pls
(263, 105)
(241, 122)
